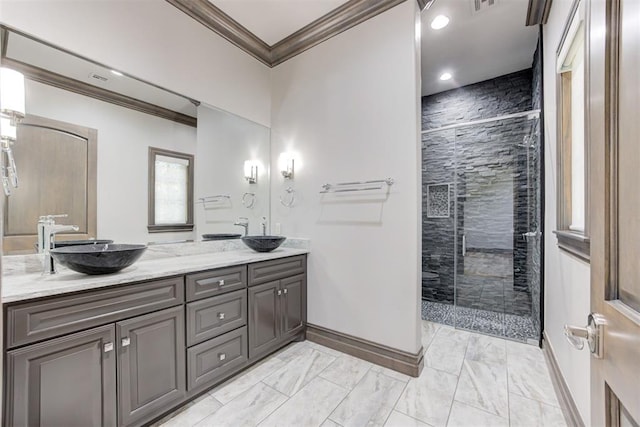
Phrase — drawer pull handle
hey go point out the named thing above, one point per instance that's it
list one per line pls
(126, 341)
(279, 292)
(108, 347)
(222, 356)
(221, 316)
(285, 291)
(221, 282)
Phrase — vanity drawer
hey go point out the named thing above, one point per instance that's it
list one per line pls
(269, 271)
(214, 316)
(35, 321)
(215, 282)
(214, 359)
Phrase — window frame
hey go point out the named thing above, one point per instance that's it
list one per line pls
(152, 227)
(573, 241)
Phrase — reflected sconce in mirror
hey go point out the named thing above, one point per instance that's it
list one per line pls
(286, 165)
(12, 111)
(251, 171)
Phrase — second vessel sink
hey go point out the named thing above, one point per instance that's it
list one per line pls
(263, 243)
(98, 259)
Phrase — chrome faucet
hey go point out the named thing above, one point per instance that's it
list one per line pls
(263, 224)
(47, 230)
(243, 222)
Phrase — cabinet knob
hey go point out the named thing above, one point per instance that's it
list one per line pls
(108, 347)
(220, 316)
(285, 290)
(279, 292)
(126, 341)
(221, 282)
(222, 356)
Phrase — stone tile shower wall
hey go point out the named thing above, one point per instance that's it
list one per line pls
(493, 194)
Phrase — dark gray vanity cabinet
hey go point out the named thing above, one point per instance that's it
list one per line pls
(68, 381)
(277, 308)
(151, 364)
(125, 355)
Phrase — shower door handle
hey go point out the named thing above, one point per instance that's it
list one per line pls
(464, 245)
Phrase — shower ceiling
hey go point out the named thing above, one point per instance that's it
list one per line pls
(475, 46)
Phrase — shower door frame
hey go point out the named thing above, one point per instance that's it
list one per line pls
(541, 224)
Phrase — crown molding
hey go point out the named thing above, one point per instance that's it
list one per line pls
(348, 15)
(219, 22)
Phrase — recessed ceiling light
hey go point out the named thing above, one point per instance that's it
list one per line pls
(439, 22)
(445, 76)
(117, 73)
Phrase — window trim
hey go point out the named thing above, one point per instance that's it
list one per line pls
(574, 242)
(152, 227)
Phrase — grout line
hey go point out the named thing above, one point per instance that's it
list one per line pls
(457, 382)
(396, 402)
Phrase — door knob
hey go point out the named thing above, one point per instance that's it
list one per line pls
(593, 334)
(221, 316)
(108, 347)
(126, 341)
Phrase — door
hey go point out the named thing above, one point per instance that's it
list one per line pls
(151, 364)
(614, 128)
(264, 318)
(497, 278)
(56, 163)
(293, 307)
(68, 381)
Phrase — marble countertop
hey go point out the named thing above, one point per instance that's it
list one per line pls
(22, 287)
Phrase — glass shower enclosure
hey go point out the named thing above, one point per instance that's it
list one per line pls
(481, 226)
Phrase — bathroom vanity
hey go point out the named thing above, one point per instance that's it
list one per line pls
(125, 349)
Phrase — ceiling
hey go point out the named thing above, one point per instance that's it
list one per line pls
(273, 20)
(475, 46)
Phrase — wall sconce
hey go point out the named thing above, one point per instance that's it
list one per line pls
(251, 172)
(12, 95)
(286, 165)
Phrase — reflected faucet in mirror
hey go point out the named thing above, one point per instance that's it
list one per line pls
(243, 222)
(263, 224)
(47, 230)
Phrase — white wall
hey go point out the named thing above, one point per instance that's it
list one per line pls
(154, 41)
(225, 141)
(567, 286)
(124, 137)
(349, 109)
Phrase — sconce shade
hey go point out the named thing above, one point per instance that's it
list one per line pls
(8, 132)
(251, 171)
(12, 93)
(285, 163)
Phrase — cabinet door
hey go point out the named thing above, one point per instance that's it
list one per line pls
(151, 364)
(68, 381)
(294, 308)
(264, 318)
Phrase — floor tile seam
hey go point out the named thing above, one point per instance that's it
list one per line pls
(348, 390)
(538, 400)
(410, 416)
(275, 409)
(481, 409)
(393, 407)
(457, 383)
(345, 396)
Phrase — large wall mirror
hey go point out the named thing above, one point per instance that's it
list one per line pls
(83, 149)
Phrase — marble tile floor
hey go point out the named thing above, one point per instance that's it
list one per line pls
(511, 326)
(469, 379)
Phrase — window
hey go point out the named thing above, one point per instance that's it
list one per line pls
(572, 218)
(170, 191)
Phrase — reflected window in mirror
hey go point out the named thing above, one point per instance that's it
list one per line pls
(170, 191)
